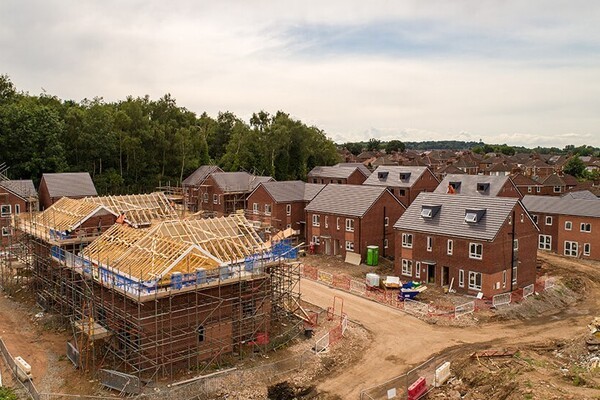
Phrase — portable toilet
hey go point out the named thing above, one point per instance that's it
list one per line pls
(372, 255)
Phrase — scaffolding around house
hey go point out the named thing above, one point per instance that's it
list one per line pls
(182, 294)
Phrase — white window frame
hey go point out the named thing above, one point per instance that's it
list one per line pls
(326, 221)
(5, 210)
(288, 209)
(385, 243)
(418, 269)
(534, 217)
(6, 231)
(450, 247)
(337, 223)
(587, 249)
(538, 189)
(571, 248)
(473, 280)
(503, 279)
(548, 220)
(205, 197)
(316, 220)
(473, 253)
(386, 221)
(316, 240)
(349, 225)
(17, 209)
(288, 226)
(349, 245)
(529, 189)
(557, 189)
(545, 242)
(583, 227)
(514, 274)
(568, 225)
(515, 244)
(268, 209)
(406, 267)
(429, 243)
(407, 240)
(461, 278)
(215, 199)
(254, 208)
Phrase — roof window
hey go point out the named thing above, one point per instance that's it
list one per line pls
(472, 216)
(483, 187)
(429, 211)
(404, 176)
(382, 175)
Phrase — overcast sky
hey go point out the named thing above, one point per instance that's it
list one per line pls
(516, 72)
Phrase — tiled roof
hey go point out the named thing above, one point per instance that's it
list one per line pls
(238, 181)
(469, 183)
(288, 191)
(70, 184)
(582, 194)
(392, 179)
(200, 174)
(352, 200)
(563, 205)
(361, 167)
(522, 180)
(450, 219)
(22, 188)
(332, 172)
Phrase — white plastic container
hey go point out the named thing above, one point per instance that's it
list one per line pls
(372, 280)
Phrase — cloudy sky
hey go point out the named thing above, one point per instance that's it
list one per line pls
(516, 72)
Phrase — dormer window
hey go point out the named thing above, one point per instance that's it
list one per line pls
(429, 211)
(483, 187)
(455, 185)
(474, 216)
(382, 175)
(404, 176)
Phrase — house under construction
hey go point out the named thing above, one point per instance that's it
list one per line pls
(152, 294)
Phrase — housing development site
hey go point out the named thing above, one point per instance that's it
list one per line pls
(285, 295)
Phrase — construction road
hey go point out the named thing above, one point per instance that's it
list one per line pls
(401, 341)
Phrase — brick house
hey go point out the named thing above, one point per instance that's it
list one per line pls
(16, 197)
(475, 244)
(478, 185)
(344, 218)
(557, 185)
(404, 182)
(75, 185)
(343, 173)
(568, 225)
(223, 193)
(526, 185)
(191, 185)
(281, 205)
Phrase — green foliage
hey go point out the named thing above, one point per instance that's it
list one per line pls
(394, 145)
(373, 144)
(574, 166)
(355, 148)
(7, 394)
(132, 145)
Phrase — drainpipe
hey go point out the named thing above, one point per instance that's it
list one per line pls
(512, 250)
(384, 232)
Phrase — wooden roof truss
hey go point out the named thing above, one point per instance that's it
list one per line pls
(140, 209)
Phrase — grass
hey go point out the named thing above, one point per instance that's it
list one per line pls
(7, 394)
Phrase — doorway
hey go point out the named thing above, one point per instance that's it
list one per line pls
(336, 247)
(431, 273)
(328, 247)
(445, 276)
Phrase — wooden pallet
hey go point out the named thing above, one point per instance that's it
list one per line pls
(494, 353)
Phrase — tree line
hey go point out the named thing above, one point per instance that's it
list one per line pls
(129, 146)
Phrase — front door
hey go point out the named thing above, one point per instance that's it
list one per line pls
(445, 276)
(431, 273)
(328, 247)
(336, 247)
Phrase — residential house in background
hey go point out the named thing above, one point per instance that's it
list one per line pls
(16, 197)
(478, 185)
(473, 243)
(191, 186)
(343, 173)
(569, 225)
(557, 185)
(280, 205)
(526, 185)
(404, 182)
(348, 218)
(75, 185)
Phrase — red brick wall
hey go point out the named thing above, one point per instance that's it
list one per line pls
(509, 190)
(551, 230)
(576, 235)
(427, 182)
(356, 178)
(495, 260)
(8, 198)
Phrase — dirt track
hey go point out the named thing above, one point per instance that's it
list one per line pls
(400, 340)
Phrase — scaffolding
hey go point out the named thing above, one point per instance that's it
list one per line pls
(179, 295)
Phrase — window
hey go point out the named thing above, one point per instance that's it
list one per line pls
(288, 226)
(337, 223)
(385, 243)
(288, 209)
(340, 181)
(429, 243)
(510, 219)
(17, 209)
(5, 231)
(545, 242)
(418, 269)
(556, 189)
(571, 248)
(215, 199)
(407, 240)
(514, 274)
(529, 189)
(349, 225)
(476, 251)
(267, 209)
(522, 217)
(548, 220)
(402, 192)
(407, 267)
(585, 227)
(349, 245)
(503, 279)
(200, 332)
(5, 210)
(450, 247)
(386, 221)
(316, 240)
(316, 220)
(534, 218)
(587, 249)
(326, 221)
(205, 196)
(568, 225)
(516, 244)
(538, 189)
(474, 280)
(461, 278)
(254, 208)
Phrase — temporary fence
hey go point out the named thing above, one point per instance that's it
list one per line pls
(24, 379)
(331, 337)
(464, 309)
(416, 307)
(528, 290)
(549, 283)
(501, 299)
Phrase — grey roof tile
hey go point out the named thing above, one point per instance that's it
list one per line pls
(361, 167)
(468, 184)
(352, 200)
(23, 188)
(288, 191)
(393, 176)
(450, 219)
(238, 181)
(331, 172)
(70, 184)
(200, 174)
(563, 205)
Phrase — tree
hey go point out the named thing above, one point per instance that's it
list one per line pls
(574, 166)
(373, 144)
(394, 145)
(354, 148)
